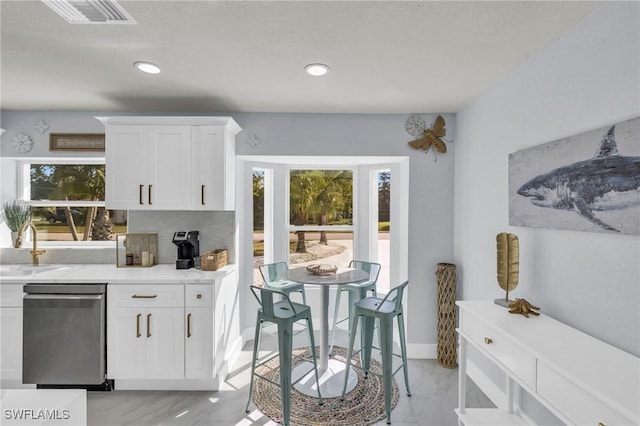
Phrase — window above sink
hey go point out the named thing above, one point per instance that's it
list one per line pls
(67, 201)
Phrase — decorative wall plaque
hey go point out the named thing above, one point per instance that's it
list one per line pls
(76, 142)
(41, 126)
(252, 140)
(22, 143)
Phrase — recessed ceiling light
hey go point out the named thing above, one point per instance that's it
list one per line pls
(316, 70)
(147, 67)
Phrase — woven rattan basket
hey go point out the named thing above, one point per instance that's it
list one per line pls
(447, 354)
(213, 260)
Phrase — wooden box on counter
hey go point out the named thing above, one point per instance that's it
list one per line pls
(136, 250)
(213, 260)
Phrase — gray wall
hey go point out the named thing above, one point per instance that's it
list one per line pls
(430, 186)
(585, 80)
(431, 182)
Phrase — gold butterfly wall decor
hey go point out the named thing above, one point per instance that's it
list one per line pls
(431, 137)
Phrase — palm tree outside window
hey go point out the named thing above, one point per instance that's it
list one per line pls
(67, 203)
(321, 216)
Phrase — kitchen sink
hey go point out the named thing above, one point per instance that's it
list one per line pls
(37, 268)
(23, 270)
(13, 273)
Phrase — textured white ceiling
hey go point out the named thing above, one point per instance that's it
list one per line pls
(385, 57)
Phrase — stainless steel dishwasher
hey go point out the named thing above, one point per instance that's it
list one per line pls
(64, 335)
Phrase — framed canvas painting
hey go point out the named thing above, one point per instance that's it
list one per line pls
(587, 182)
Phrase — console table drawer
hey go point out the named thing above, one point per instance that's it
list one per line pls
(503, 349)
(578, 405)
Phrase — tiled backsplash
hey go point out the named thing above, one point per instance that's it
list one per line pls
(217, 231)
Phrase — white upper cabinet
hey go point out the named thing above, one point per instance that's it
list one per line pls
(170, 163)
(213, 156)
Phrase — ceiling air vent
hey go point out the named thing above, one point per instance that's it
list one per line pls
(90, 11)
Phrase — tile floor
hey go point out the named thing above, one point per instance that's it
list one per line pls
(434, 397)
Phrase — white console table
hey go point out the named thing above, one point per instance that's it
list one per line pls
(580, 379)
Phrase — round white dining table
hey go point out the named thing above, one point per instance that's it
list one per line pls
(331, 371)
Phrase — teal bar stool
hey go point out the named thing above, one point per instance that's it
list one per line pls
(275, 277)
(284, 313)
(383, 310)
(355, 291)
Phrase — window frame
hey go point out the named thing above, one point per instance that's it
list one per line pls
(318, 228)
(276, 209)
(294, 228)
(23, 181)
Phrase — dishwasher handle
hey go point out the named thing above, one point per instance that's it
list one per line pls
(63, 296)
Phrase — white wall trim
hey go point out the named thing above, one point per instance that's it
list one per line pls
(422, 350)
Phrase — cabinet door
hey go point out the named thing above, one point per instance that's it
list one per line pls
(226, 320)
(164, 332)
(208, 168)
(199, 343)
(126, 168)
(169, 156)
(126, 341)
(11, 349)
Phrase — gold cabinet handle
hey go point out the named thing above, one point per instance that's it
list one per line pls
(188, 325)
(148, 325)
(144, 296)
(488, 341)
(601, 424)
(140, 194)
(138, 325)
(202, 194)
(150, 194)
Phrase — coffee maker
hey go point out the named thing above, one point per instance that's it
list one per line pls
(188, 243)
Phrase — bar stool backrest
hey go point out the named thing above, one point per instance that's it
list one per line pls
(371, 268)
(394, 295)
(273, 271)
(267, 301)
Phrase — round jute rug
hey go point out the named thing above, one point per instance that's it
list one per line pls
(362, 406)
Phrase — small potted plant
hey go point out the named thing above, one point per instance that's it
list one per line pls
(15, 216)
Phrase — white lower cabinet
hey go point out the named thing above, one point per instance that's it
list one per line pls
(145, 332)
(172, 336)
(11, 355)
(146, 343)
(165, 343)
(198, 347)
(11, 335)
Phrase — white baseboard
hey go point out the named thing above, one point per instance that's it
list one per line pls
(422, 350)
(177, 384)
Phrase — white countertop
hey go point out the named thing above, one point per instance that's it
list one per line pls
(107, 273)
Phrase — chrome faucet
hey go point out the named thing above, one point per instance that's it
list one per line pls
(35, 252)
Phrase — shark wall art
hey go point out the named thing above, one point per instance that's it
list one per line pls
(587, 182)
